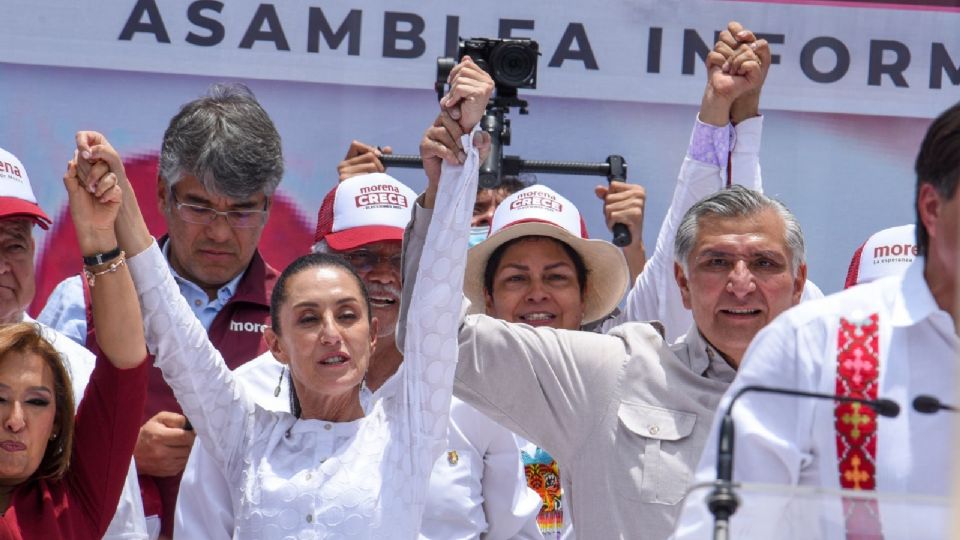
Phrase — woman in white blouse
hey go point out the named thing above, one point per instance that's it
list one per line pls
(329, 469)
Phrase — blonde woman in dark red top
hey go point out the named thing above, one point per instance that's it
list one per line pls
(61, 474)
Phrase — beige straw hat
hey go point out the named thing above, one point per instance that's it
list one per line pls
(540, 211)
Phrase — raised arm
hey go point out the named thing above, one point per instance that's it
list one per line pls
(96, 158)
(735, 75)
(431, 304)
(211, 398)
(101, 477)
(94, 206)
(444, 150)
(461, 110)
(552, 387)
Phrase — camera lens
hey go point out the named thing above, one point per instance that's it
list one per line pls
(514, 65)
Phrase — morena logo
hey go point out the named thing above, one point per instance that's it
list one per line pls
(381, 187)
(896, 250)
(537, 199)
(380, 200)
(240, 326)
(10, 168)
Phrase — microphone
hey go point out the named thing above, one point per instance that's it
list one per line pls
(723, 501)
(930, 405)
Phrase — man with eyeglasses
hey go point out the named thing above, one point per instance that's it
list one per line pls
(477, 487)
(220, 163)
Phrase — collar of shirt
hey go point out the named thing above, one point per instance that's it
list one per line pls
(914, 301)
(914, 304)
(704, 359)
(204, 308)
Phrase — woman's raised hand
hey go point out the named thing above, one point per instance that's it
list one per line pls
(95, 199)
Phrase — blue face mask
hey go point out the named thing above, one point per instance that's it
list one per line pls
(478, 234)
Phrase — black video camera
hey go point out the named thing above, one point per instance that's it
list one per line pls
(511, 62)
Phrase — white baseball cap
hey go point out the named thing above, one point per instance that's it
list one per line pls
(364, 209)
(16, 195)
(540, 211)
(886, 253)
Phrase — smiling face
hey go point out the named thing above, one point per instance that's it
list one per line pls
(378, 265)
(325, 335)
(536, 283)
(28, 412)
(209, 255)
(739, 279)
(17, 284)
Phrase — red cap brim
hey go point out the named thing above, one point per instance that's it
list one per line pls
(11, 207)
(361, 236)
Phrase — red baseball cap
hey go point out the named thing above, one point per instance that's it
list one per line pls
(364, 209)
(16, 195)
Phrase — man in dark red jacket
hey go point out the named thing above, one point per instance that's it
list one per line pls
(220, 163)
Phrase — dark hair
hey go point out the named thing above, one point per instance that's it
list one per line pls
(493, 263)
(511, 183)
(279, 296)
(27, 338)
(938, 164)
(305, 262)
(227, 141)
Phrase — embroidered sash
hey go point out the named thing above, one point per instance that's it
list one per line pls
(858, 368)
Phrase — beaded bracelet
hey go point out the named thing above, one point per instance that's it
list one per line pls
(115, 265)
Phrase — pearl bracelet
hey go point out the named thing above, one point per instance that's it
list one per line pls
(115, 265)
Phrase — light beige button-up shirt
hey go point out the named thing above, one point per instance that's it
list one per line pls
(626, 414)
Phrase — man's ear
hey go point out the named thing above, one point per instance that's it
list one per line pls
(275, 346)
(683, 284)
(928, 208)
(162, 195)
(799, 282)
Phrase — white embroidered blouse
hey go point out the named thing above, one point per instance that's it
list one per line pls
(310, 478)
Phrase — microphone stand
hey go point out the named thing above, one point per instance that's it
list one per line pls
(930, 405)
(723, 500)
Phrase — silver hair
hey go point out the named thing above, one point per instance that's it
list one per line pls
(227, 141)
(734, 202)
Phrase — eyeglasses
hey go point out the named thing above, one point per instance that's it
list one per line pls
(204, 215)
(364, 261)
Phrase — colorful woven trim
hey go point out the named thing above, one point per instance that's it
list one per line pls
(858, 374)
(543, 476)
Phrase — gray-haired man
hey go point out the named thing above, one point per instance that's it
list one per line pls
(220, 163)
(625, 413)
